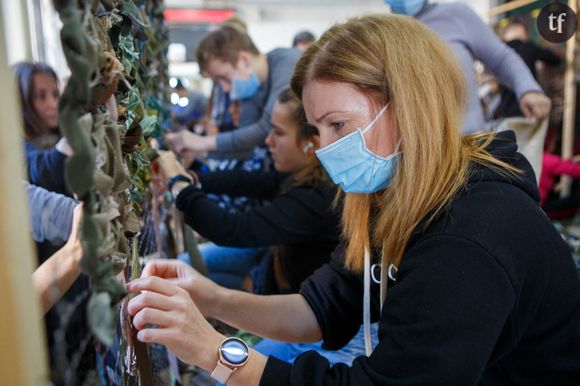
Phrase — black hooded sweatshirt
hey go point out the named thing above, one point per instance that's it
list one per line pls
(487, 294)
(299, 219)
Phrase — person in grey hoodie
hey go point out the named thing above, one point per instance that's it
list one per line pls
(471, 39)
(229, 57)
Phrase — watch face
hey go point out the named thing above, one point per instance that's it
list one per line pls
(235, 351)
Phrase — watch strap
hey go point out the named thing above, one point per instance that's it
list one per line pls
(174, 179)
(222, 373)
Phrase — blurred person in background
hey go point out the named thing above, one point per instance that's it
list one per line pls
(303, 39)
(515, 35)
(229, 57)
(188, 107)
(297, 224)
(45, 150)
(471, 39)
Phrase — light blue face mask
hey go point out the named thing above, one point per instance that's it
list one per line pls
(354, 167)
(406, 7)
(245, 89)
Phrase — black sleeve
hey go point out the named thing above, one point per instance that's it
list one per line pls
(46, 168)
(261, 185)
(547, 56)
(439, 325)
(291, 217)
(335, 293)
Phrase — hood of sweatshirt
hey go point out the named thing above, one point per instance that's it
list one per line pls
(505, 148)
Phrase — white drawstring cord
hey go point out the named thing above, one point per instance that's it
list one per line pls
(367, 304)
(368, 274)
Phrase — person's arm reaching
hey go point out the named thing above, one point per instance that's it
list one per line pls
(261, 185)
(566, 167)
(286, 318)
(503, 62)
(291, 217)
(281, 317)
(183, 329)
(449, 291)
(55, 276)
(257, 184)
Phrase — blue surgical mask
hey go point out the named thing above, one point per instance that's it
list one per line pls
(406, 7)
(354, 167)
(245, 89)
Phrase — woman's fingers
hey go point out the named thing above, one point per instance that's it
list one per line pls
(155, 284)
(180, 325)
(161, 268)
(155, 335)
(171, 338)
(149, 299)
(155, 316)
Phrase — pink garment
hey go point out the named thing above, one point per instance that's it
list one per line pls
(552, 167)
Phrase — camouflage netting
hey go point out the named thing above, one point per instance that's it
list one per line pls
(112, 106)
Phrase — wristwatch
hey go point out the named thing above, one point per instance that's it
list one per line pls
(233, 354)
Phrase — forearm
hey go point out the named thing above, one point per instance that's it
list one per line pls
(244, 138)
(251, 373)
(262, 185)
(508, 67)
(210, 142)
(55, 276)
(512, 72)
(286, 318)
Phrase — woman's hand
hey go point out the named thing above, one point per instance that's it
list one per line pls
(184, 141)
(535, 104)
(202, 290)
(169, 166)
(180, 325)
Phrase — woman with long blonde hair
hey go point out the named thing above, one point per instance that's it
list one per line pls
(481, 288)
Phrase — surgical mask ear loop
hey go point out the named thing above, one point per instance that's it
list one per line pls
(375, 119)
(369, 126)
(308, 146)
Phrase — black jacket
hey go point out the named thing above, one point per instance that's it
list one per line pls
(487, 294)
(301, 221)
